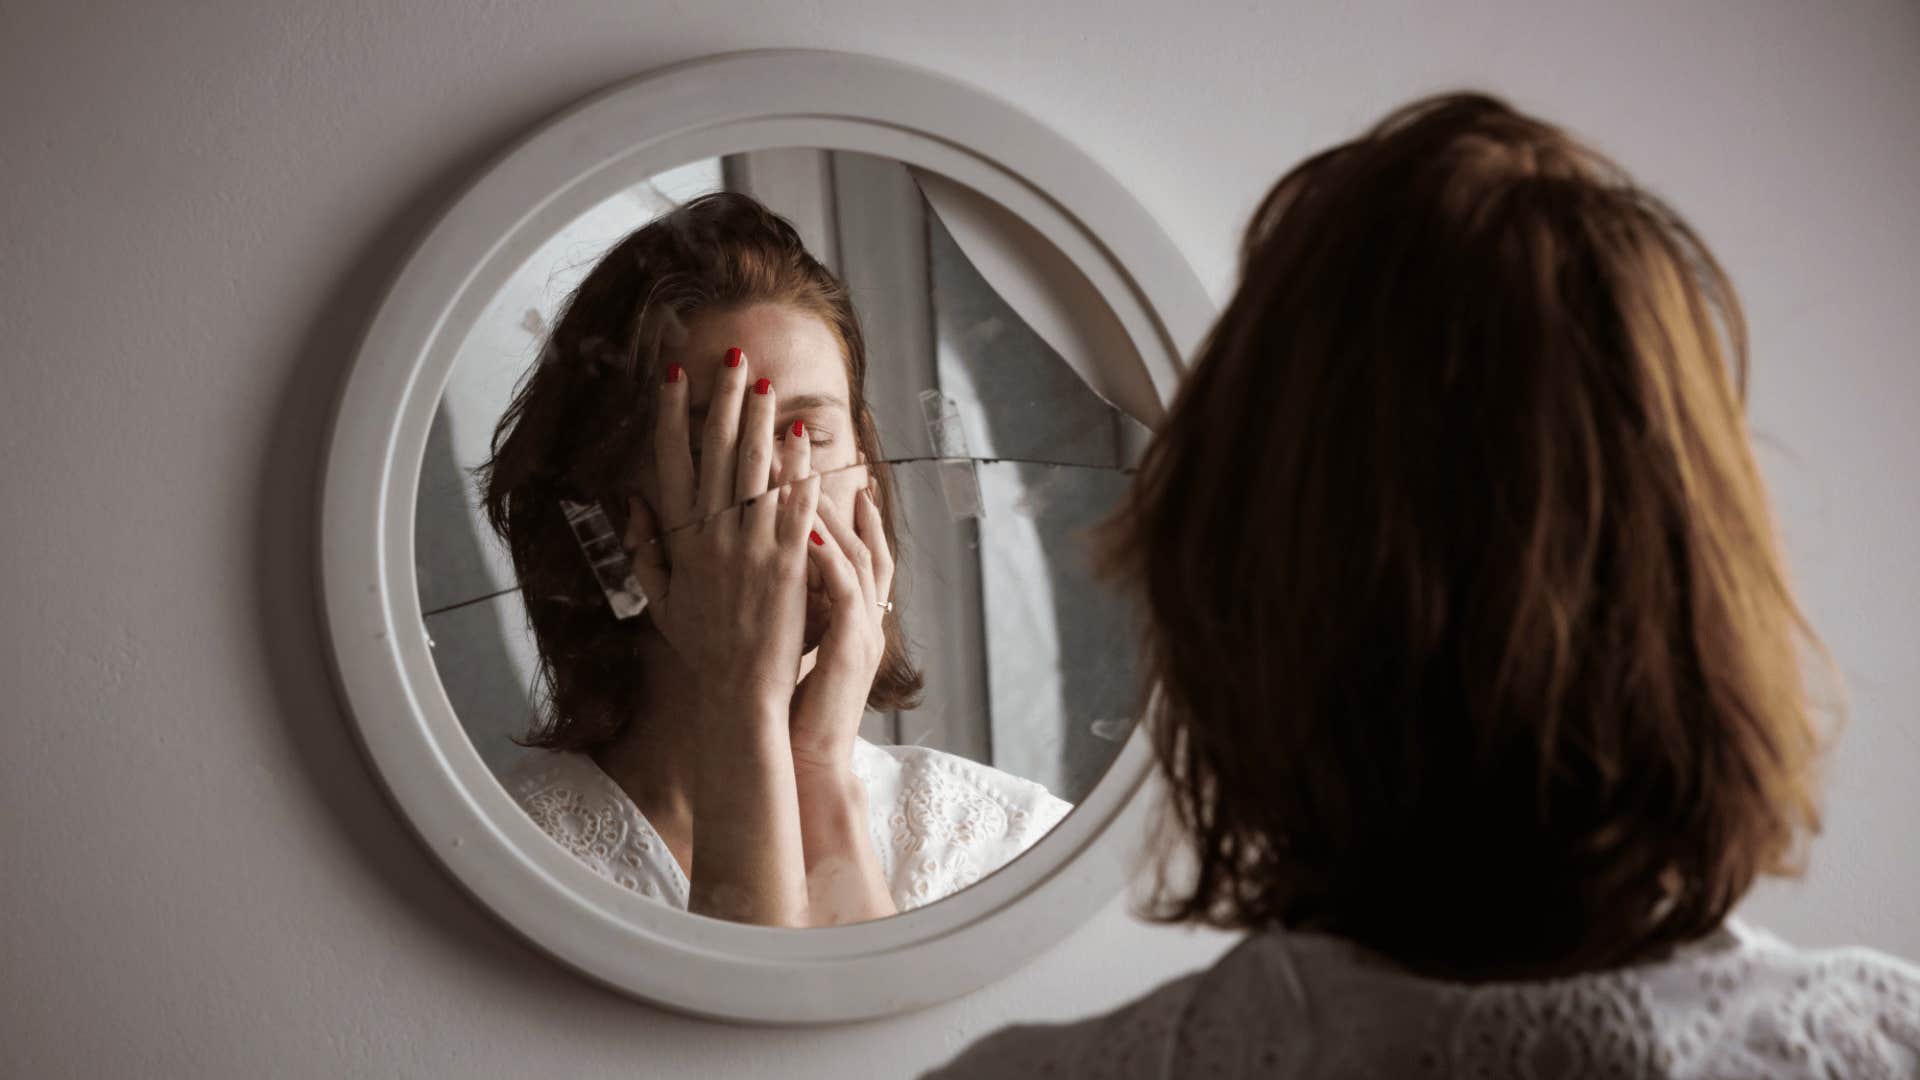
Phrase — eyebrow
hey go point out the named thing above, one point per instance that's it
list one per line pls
(797, 403)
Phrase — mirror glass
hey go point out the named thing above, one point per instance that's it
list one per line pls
(995, 461)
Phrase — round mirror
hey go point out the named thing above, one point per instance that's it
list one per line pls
(1011, 692)
(967, 371)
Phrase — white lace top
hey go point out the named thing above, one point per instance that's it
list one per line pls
(940, 822)
(1740, 1003)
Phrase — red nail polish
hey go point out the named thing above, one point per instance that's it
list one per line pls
(815, 536)
(733, 357)
(799, 429)
(763, 386)
(673, 373)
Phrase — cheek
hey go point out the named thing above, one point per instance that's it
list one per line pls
(838, 455)
(842, 486)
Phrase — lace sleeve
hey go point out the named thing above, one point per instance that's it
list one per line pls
(944, 822)
(581, 809)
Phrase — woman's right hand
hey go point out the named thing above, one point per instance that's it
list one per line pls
(729, 595)
(728, 591)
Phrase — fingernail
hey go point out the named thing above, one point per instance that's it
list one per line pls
(673, 373)
(799, 428)
(763, 386)
(733, 357)
(814, 535)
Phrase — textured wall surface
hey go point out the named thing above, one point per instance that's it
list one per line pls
(200, 205)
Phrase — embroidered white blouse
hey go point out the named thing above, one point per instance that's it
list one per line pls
(1740, 1003)
(940, 822)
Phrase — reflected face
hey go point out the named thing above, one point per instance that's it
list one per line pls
(800, 354)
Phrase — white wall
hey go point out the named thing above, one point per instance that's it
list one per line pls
(200, 204)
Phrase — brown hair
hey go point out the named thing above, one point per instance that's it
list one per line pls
(582, 421)
(1469, 629)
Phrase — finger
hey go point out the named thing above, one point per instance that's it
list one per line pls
(873, 533)
(795, 465)
(836, 571)
(649, 554)
(793, 458)
(798, 512)
(720, 435)
(672, 451)
(754, 448)
(840, 525)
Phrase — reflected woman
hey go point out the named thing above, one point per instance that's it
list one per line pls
(705, 386)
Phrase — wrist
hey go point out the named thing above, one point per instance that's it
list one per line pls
(828, 779)
(833, 815)
(823, 763)
(733, 709)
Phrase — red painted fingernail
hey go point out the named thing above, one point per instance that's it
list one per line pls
(733, 357)
(763, 386)
(673, 373)
(799, 428)
(814, 535)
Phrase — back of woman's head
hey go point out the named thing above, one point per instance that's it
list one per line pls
(1465, 608)
(580, 429)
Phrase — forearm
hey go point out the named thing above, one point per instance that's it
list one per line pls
(844, 879)
(747, 857)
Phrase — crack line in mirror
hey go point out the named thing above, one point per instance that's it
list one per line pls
(935, 459)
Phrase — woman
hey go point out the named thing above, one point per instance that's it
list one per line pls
(1482, 707)
(705, 386)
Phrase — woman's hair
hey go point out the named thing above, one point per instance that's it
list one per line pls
(580, 428)
(1467, 621)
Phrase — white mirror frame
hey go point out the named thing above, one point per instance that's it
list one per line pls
(727, 104)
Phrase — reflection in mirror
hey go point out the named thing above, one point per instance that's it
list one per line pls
(991, 461)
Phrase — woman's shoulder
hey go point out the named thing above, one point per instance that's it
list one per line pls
(941, 822)
(1740, 1002)
(1737, 1002)
(583, 810)
(1847, 1011)
(570, 798)
(918, 774)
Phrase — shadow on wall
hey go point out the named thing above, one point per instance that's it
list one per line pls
(327, 773)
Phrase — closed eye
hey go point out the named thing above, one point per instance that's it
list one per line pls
(815, 436)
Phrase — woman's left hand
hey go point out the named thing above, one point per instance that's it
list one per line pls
(844, 880)
(856, 569)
